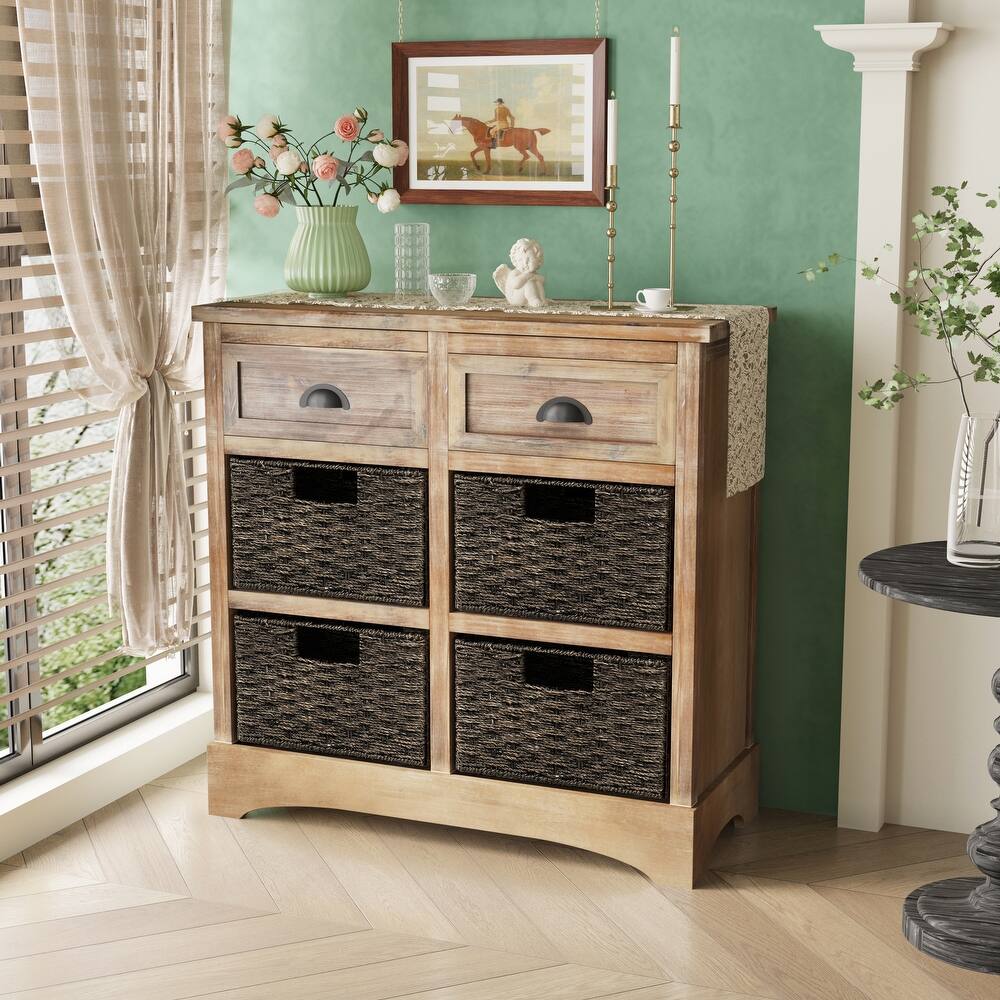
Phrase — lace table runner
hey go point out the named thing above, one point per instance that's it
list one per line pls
(748, 333)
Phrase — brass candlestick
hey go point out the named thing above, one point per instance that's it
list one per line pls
(674, 145)
(611, 187)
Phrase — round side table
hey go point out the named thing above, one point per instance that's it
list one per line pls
(957, 919)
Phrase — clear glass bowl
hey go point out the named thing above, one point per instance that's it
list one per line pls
(451, 290)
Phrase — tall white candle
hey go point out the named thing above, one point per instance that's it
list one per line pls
(612, 130)
(675, 67)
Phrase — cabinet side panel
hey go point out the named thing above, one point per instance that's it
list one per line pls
(688, 475)
(726, 591)
(439, 535)
(218, 521)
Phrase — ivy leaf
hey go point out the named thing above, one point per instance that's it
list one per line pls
(896, 297)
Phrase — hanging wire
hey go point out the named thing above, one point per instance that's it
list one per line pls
(597, 18)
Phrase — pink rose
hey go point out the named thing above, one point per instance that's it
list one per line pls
(267, 205)
(347, 128)
(375, 135)
(325, 167)
(278, 145)
(229, 131)
(243, 160)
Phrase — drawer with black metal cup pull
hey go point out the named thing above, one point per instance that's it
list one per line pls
(607, 411)
(319, 394)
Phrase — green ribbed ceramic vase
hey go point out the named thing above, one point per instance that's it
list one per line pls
(327, 255)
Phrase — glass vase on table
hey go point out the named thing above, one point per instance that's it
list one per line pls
(974, 506)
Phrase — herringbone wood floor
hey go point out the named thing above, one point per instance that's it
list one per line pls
(152, 899)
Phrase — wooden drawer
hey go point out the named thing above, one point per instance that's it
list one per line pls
(364, 397)
(616, 411)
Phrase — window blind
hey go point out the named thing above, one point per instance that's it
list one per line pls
(64, 678)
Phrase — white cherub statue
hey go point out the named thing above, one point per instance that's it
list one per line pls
(523, 285)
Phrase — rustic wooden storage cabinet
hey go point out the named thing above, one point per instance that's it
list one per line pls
(508, 466)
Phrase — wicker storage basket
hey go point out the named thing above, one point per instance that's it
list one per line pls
(554, 715)
(333, 688)
(594, 553)
(354, 532)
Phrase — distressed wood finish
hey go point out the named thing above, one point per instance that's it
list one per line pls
(657, 391)
(495, 404)
(439, 534)
(562, 468)
(218, 536)
(384, 394)
(562, 347)
(665, 841)
(956, 920)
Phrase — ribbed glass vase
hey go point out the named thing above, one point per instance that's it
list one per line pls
(327, 255)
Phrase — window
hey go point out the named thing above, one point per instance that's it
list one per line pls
(63, 677)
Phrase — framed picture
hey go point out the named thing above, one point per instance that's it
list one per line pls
(501, 123)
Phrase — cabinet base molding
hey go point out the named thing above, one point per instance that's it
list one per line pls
(670, 844)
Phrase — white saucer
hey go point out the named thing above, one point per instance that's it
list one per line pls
(639, 307)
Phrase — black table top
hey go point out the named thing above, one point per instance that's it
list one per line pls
(921, 574)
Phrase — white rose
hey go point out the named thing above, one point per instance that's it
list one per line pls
(388, 200)
(384, 155)
(288, 162)
(402, 151)
(267, 126)
(392, 154)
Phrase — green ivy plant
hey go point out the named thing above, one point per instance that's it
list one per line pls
(944, 302)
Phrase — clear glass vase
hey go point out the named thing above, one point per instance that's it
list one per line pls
(974, 506)
(413, 258)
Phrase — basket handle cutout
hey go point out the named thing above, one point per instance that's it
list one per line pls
(326, 397)
(556, 502)
(327, 645)
(325, 485)
(563, 410)
(557, 671)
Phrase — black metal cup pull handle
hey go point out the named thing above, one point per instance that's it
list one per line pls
(325, 396)
(564, 410)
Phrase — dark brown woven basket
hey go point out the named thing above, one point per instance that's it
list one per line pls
(333, 688)
(594, 553)
(354, 532)
(555, 715)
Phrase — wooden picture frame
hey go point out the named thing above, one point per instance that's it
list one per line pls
(454, 79)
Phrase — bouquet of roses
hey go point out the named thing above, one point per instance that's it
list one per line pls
(291, 172)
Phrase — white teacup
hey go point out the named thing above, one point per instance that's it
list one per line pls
(656, 299)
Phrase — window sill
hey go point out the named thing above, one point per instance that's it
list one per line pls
(44, 801)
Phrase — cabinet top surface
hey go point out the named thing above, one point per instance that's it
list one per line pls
(702, 323)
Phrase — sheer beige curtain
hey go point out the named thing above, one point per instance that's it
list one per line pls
(122, 97)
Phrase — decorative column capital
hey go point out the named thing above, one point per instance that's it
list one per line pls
(885, 47)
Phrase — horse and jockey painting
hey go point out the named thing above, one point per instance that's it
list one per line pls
(501, 133)
(501, 122)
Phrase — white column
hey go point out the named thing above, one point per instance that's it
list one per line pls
(885, 53)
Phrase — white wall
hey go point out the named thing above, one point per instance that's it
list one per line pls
(941, 711)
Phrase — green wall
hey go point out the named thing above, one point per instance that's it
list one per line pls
(768, 184)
